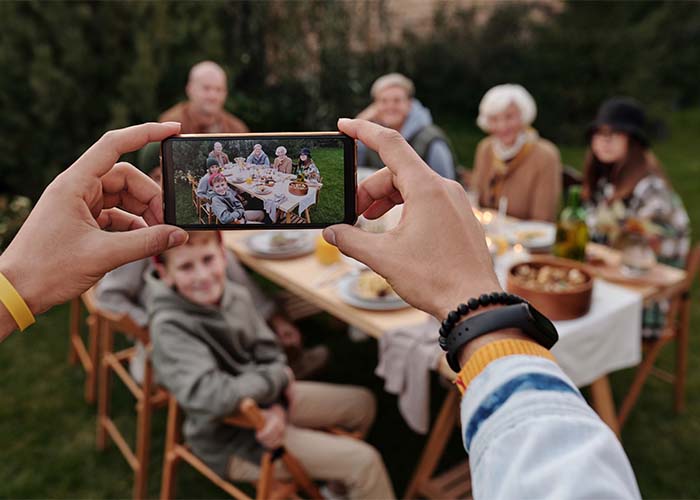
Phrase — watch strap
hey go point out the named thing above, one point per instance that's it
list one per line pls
(513, 316)
(493, 351)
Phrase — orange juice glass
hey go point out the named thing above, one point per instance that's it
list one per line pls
(326, 253)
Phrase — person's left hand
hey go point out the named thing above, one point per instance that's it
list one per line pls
(286, 331)
(92, 218)
(271, 436)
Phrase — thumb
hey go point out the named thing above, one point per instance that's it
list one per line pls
(137, 244)
(354, 242)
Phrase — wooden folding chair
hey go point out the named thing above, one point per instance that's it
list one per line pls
(676, 329)
(452, 483)
(195, 197)
(148, 396)
(267, 487)
(85, 351)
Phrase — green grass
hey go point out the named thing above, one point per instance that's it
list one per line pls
(47, 432)
(185, 211)
(329, 208)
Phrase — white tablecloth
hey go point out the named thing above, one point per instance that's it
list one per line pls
(606, 339)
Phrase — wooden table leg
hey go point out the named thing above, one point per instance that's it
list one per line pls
(308, 217)
(603, 403)
(289, 217)
(441, 432)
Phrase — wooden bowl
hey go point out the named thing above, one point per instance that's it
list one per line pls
(571, 303)
(298, 188)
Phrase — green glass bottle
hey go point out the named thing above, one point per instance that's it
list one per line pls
(572, 231)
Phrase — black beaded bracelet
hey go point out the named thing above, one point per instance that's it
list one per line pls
(471, 305)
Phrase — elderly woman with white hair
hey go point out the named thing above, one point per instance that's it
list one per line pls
(282, 163)
(394, 106)
(514, 161)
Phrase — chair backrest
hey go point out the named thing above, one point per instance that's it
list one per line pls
(118, 322)
(692, 265)
(680, 302)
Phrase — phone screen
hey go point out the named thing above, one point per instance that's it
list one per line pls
(259, 181)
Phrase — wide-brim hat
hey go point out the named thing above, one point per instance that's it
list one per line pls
(622, 114)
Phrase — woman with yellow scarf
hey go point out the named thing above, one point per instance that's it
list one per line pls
(514, 161)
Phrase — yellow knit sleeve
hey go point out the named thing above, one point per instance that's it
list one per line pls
(495, 350)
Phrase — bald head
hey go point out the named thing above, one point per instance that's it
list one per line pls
(206, 88)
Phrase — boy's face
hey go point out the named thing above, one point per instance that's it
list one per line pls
(197, 270)
(220, 188)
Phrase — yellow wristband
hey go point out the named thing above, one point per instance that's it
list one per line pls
(493, 351)
(15, 304)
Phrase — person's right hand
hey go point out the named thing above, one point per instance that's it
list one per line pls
(92, 218)
(272, 435)
(436, 257)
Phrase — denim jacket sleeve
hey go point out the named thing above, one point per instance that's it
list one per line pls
(530, 434)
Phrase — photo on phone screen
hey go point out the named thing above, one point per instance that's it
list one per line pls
(259, 181)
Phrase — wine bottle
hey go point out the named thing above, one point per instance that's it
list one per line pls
(572, 231)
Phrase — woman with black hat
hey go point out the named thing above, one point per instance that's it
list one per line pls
(307, 165)
(625, 185)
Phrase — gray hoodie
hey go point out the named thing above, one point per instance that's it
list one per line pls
(210, 358)
(204, 190)
(439, 156)
(227, 208)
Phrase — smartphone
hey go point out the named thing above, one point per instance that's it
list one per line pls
(259, 181)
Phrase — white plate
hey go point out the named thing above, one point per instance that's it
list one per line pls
(346, 291)
(532, 234)
(262, 189)
(261, 244)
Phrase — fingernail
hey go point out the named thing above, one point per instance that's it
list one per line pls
(172, 123)
(329, 236)
(343, 120)
(177, 238)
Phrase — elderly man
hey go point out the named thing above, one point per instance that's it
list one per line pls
(258, 158)
(203, 112)
(218, 154)
(395, 107)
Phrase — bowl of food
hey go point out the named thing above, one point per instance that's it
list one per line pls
(558, 289)
(298, 188)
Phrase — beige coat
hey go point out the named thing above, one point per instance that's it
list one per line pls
(283, 164)
(224, 122)
(532, 182)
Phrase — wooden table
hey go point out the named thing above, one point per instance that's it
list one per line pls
(288, 205)
(316, 283)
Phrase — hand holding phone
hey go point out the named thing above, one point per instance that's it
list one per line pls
(259, 181)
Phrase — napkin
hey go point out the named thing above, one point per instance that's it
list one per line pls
(272, 204)
(406, 357)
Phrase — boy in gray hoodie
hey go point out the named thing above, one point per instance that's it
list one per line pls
(226, 205)
(211, 349)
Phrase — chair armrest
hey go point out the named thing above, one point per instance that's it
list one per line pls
(248, 416)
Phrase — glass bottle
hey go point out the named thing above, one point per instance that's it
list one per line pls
(572, 231)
